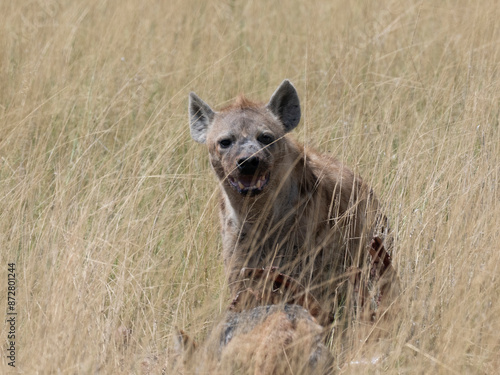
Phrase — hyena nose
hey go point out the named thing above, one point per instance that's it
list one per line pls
(248, 166)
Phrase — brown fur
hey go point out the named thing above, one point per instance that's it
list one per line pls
(241, 102)
(263, 340)
(269, 287)
(313, 220)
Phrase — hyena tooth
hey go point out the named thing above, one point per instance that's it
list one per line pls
(241, 185)
(259, 184)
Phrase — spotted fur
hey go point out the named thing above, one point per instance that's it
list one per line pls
(300, 211)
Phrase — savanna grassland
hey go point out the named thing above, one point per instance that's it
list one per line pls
(109, 209)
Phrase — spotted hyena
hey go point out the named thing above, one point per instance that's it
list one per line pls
(282, 205)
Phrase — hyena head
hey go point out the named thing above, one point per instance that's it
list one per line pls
(246, 140)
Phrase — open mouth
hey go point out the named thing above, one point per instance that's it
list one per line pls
(251, 185)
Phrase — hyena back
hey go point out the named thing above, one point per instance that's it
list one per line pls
(282, 205)
(269, 339)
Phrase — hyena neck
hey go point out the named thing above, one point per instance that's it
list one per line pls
(260, 209)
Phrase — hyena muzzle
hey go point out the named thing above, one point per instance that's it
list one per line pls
(286, 207)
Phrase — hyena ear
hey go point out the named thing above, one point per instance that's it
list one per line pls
(200, 118)
(285, 105)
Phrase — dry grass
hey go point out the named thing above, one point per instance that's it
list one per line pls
(108, 208)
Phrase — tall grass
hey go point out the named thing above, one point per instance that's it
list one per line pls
(109, 209)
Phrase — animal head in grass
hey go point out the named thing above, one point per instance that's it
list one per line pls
(246, 140)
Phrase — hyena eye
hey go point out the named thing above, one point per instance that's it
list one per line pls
(265, 139)
(225, 143)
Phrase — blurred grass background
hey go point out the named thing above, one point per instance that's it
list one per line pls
(109, 209)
